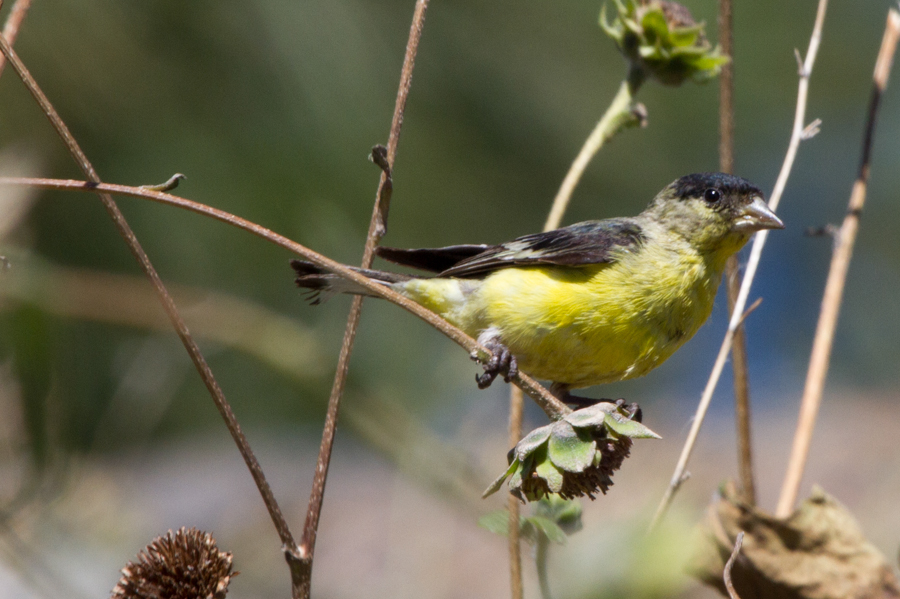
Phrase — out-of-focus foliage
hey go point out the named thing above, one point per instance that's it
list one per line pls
(552, 517)
(662, 40)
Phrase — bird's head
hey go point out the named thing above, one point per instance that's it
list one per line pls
(715, 212)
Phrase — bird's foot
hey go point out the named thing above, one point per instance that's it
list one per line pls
(501, 362)
(633, 410)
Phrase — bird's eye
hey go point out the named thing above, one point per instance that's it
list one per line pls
(712, 195)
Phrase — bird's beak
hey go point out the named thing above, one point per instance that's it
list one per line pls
(755, 217)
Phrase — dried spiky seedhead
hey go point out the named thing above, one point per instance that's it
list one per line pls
(181, 565)
(574, 456)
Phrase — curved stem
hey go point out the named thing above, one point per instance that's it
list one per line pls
(620, 115)
(549, 403)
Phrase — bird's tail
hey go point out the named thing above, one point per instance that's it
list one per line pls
(321, 284)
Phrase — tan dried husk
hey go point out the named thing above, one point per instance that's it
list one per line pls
(819, 552)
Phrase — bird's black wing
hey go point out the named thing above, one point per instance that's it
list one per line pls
(591, 242)
(431, 259)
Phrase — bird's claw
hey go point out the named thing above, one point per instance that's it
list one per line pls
(501, 362)
(561, 391)
(633, 410)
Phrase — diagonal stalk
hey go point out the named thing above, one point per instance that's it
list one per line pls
(620, 114)
(834, 286)
(124, 229)
(548, 402)
(377, 228)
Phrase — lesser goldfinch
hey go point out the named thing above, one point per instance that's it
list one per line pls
(591, 303)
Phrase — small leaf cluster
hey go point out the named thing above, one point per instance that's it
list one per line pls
(662, 41)
(554, 518)
(574, 456)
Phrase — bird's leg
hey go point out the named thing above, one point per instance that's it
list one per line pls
(561, 391)
(501, 362)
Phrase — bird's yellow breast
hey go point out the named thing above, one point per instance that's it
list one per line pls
(587, 325)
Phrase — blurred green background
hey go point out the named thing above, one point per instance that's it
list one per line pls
(270, 109)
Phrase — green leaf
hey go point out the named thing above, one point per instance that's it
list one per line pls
(593, 415)
(570, 449)
(655, 21)
(614, 29)
(550, 473)
(532, 441)
(515, 480)
(496, 522)
(565, 512)
(549, 528)
(685, 36)
(498, 482)
(624, 8)
(626, 427)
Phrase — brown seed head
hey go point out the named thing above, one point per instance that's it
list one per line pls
(181, 565)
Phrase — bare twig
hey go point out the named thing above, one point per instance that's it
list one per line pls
(178, 324)
(551, 405)
(752, 264)
(170, 184)
(726, 90)
(517, 590)
(11, 28)
(739, 351)
(834, 286)
(726, 574)
(377, 228)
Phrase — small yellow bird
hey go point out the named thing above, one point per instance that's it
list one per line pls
(591, 303)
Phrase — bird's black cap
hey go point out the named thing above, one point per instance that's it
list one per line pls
(693, 186)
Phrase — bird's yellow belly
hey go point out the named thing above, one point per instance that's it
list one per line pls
(589, 326)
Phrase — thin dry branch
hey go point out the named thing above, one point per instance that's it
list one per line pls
(517, 588)
(799, 133)
(551, 405)
(837, 278)
(13, 23)
(726, 573)
(739, 351)
(168, 304)
(377, 228)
